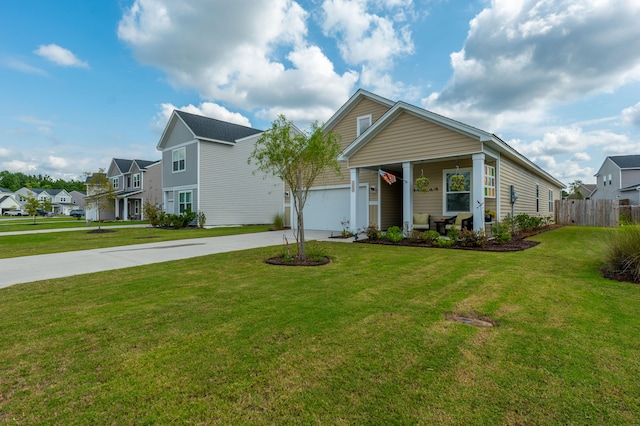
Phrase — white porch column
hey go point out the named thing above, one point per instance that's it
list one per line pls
(407, 195)
(355, 187)
(115, 212)
(477, 195)
(125, 209)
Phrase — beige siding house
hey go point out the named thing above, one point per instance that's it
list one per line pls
(379, 135)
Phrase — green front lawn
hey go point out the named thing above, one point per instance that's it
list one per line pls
(10, 224)
(57, 242)
(228, 339)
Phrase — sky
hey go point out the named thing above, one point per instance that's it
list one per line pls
(82, 82)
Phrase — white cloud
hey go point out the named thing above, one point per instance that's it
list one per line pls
(4, 152)
(22, 66)
(57, 163)
(631, 115)
(60, 56)
(206, 109)
(18, 166)
(531, 55)
(243, 55)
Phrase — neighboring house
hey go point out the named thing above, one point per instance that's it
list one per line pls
(586, 191)
(77, 199)
(379, 135)
(619, 179)
(205, 169)
(8, 201)
(135, 182)
(61, 200)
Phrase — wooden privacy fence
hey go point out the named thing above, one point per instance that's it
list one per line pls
(588, 212)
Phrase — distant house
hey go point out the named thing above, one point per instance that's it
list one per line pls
(135, 182)
(61, 200)
(585, 191)
(77, 199)
(204, 169)
(619, 179)
(8, 201)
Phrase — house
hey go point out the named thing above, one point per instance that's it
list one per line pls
(134, 182)
(619, 179)
(205, 169)
(584, 191)
(60, 199)
(8, 201)
(77, 199)
(385, 140)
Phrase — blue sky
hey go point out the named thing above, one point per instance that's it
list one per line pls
(83, 81)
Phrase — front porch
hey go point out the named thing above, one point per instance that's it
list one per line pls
(129, 207)
(400, 203)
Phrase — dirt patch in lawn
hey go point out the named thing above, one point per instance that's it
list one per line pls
(279, 260)
(472, 319)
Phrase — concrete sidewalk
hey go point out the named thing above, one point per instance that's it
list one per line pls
(47, 266)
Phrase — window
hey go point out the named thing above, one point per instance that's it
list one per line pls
(128, 181)
(550, 200)
(184, 201)
(609, 178)
(115, 182)
(537, 198)
(489, 181)
(458, 200)
(179, 158)
(604, 180)
(364, 122)
(136, 180)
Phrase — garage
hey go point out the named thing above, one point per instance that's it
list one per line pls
(327, 208)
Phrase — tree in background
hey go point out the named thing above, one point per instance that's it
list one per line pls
(575, 189)
(15, 181)
(298, 159)
(32, 204)
(100, 194)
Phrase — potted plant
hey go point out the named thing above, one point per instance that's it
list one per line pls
(422, 184)
(489, 215)
(457, 183)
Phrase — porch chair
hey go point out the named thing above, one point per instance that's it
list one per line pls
(421, 221)
(463, 220)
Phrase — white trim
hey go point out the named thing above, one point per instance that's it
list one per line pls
(179, 188)
(446, 212)
(359, 131)
(173, 161)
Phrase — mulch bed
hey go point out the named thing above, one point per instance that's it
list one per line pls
(517, 243)
(296, 262)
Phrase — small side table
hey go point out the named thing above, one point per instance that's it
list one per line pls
(440, 226)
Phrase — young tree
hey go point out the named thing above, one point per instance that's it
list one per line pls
(298, 159)
(575, 189)
(32, 204)
(100, 194)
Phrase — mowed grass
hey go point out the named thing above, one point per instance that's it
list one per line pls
(228, 339)
(58, 242)
(10, 224)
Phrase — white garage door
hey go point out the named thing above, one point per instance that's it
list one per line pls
(327, 208)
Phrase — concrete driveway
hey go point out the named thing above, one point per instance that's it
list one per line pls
(47, 266)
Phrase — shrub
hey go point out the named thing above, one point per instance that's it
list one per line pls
(623, 251)
(526, 223)
(373, 233)
(152, 213)
(278, 221)
(394, 234)
(431, 235)
(471, 238)
(202, 219)
(315, 252)
(501, 232)
(416, 236)
(443, 243)
(453, 233)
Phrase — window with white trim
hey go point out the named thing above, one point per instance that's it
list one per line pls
(115, 182)
(609, 178)
(604, 180)
(136, 180)
(179, 159)
(363, 123)
(184, 201)
(457, 198)
(550, 200)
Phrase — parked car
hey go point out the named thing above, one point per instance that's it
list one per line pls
(44, 213)
(17, 212)
(76, 213)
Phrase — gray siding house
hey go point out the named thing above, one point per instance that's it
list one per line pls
(619, 179)
(204, 169)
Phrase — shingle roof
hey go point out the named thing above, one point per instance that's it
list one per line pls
(125, 165)
(210, 128)
(4, 190)
(626, 161)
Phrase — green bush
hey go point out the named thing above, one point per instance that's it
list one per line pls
(278, 221)
(524, 222)
(315, 252)
(373, 233)
(394, 234)
(453, 233)
(501, 232)
(431, 235)
(152, 213)
(443, 243)
(623, 251)
(416, 236)
(202, 219)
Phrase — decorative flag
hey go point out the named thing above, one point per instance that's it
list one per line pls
(388, 177)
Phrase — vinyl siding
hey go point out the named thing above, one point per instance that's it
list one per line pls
(229, 191)
(152, 184)
(525, 183)
(178, 134)
(409, 138)
(187, 177)
(629, 177)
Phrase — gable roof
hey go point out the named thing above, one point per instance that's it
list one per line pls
(5, 190)
(211, 129)
(626, 161)
(125, 165)
(402, 107)
(352, 102)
